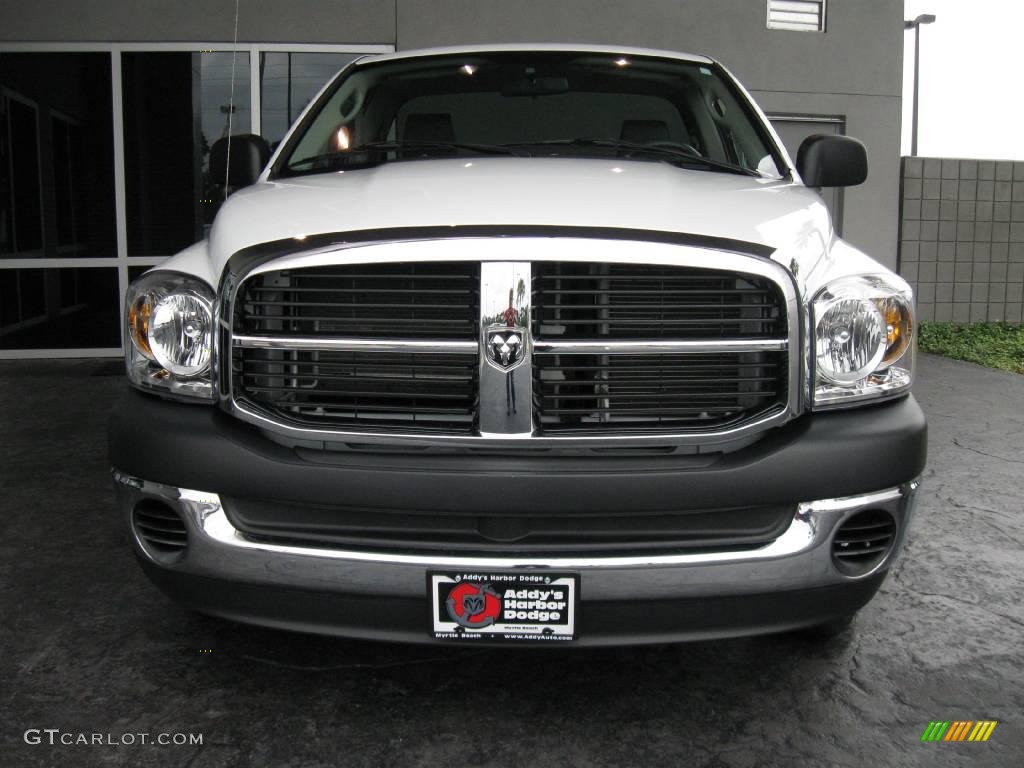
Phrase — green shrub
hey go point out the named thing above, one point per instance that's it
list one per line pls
(997, 345)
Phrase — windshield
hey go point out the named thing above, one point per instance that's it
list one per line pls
(532, 104)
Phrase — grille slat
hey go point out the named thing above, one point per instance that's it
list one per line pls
(647, 292)
(345, 291)
(627, 382)
(654, 413)
(661, 323)
(862, 552)
(349, 393)
(661, 395)
(340, 406)
(159, 539)
(363, 324)
(360, 305)
(159, 527)
(362, 379)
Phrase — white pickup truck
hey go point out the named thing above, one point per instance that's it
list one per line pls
(523, 344)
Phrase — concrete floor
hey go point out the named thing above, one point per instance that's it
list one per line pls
(88, 646)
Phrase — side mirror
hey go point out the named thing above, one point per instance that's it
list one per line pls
(249, 153)
(832, 161)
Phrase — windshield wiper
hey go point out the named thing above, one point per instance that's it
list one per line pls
(399, 144)
(356, 155)
(680, 153)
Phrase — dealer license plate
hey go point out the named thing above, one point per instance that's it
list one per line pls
(517, 606)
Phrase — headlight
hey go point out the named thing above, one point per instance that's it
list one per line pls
(170, 324)
(863, 339)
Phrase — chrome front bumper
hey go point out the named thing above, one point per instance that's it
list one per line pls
(798, 560)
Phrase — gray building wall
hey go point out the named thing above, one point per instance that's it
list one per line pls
(260, 21)
(852, 72)
(962, 245)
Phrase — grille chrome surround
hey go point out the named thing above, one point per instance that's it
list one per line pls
(526, 249)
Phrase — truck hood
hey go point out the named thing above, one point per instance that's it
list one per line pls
(568, 192)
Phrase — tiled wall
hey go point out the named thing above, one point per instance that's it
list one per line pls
(962, 238)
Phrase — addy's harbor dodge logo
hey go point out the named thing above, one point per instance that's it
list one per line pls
(473, 606)
(958, 730)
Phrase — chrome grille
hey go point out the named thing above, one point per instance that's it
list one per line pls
(687, 350)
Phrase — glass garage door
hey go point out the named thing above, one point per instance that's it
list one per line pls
(58, 247)
(85, 208)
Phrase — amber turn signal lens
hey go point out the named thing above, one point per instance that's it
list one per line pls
(139, 314)
(899, 329)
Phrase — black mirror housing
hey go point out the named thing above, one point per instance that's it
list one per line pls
(249, 154)
(832, 161)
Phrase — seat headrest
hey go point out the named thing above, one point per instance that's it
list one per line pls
(429, 127)
(644, 131)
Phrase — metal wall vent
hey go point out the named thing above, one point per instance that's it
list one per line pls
(799, 15)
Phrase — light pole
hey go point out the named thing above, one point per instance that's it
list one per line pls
(924, 18)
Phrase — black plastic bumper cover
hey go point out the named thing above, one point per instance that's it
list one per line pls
(818, 456)
(599, 623)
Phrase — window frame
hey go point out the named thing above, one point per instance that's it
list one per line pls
(75, 246)
(8, 94)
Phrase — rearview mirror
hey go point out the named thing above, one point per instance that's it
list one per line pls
(249, 153)
(535, 86)
(832, 161)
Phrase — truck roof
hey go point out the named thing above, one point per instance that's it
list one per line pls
(566, 47)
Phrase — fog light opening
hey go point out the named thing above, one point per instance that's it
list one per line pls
(160, 529)
(863, 541)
